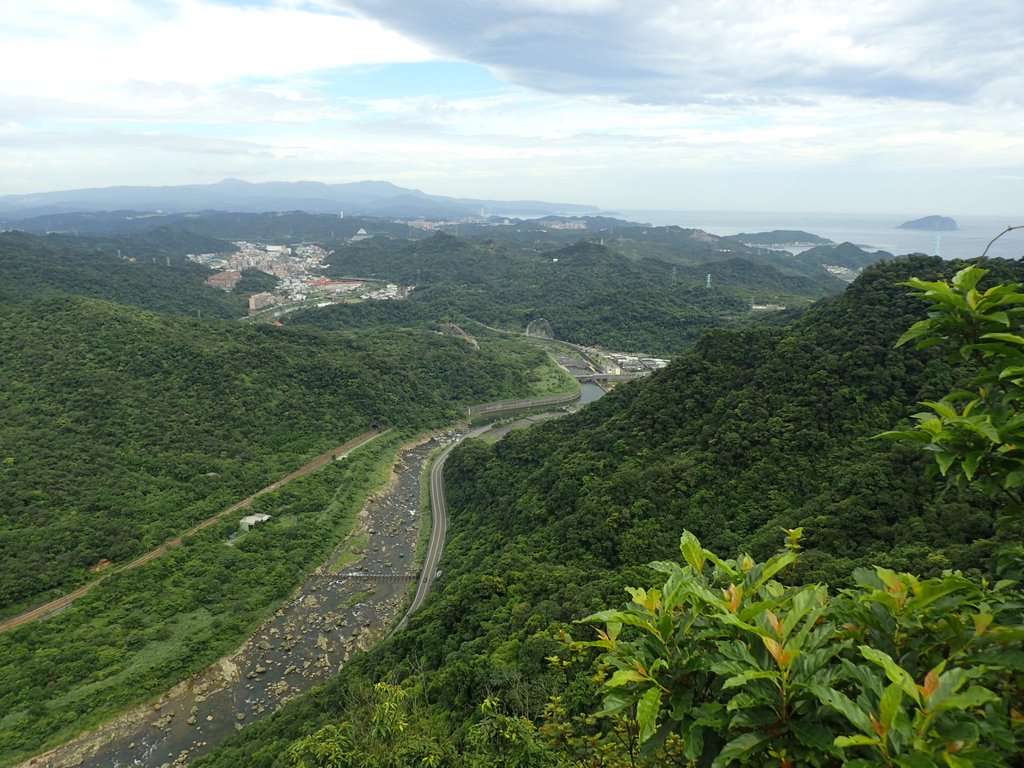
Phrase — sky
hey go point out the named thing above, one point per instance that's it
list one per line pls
(791, 105)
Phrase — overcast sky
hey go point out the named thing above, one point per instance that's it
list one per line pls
(798, 105)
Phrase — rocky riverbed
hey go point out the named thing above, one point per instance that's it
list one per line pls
(342, 608)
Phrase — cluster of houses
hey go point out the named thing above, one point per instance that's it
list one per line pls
(618, 363)
(298, 268)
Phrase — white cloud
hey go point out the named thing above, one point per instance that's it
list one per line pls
(685, 52)
(66, 49)
(604, 99)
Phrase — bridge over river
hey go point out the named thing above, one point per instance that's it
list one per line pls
(581, 377)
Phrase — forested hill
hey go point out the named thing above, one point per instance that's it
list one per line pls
(151, 271)
(751, 431)
(120, 428)
(590, 293)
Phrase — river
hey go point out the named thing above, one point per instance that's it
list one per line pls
(343, 607)
(590, 392)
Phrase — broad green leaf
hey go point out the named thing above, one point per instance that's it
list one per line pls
(903, 434)
(623, 677)
(975, 696)
(804, 601)
(935, 589)
(915, 331)
(740, 747)
(998, 317)
(813, 735)
(773, 566)
(1010, 298)
(856, 741)
(930, 423)
(1012, 371)
(846, 707)
(648, 599)
(926, 285)
(893, 671)
(729, 618)
(889, 706)
(955, 761)
(647, 713)
(1009, 338)
(889, 578)
(746, 677)
(665, 566)
(693, 745)
(970, 463)
(968, 277)
(693, 552)
(628, 617)
(614, 703)
(943, 409)
(945, 461)
(601, 616)
(980, 425)
(722, 564)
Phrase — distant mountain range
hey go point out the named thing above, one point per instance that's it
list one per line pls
(367, 198)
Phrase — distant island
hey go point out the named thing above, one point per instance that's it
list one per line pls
(780, 237)
(931, 223)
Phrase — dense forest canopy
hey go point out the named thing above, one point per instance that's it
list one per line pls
(752, 431)
(148, 271)
(590, 293)
(120, 427)
(615, 284)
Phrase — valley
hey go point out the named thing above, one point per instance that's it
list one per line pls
(761, 421)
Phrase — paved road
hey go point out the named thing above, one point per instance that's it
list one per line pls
(439, 526)
(64, 601)
(439, 511)
(439, 507)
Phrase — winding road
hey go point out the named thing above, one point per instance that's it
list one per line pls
(439, 527)
(438, 504)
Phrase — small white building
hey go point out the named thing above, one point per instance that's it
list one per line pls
(249, 522)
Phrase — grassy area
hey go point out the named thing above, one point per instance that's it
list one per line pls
(426, 513)
(355, 599)
(142, 631)
(354, 552)
(503, 427)
(545, 377)
(550, 379)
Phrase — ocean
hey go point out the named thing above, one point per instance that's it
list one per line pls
(869, 231)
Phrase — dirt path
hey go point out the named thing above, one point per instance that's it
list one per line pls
(341, 608)
(64, 601)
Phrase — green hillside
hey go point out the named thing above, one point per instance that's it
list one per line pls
(590, 293)
(121, 427)
(145, 270)
(754, 430)
(646, 290)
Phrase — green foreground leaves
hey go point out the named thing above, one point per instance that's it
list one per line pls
(977, 433)
(747, 670)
